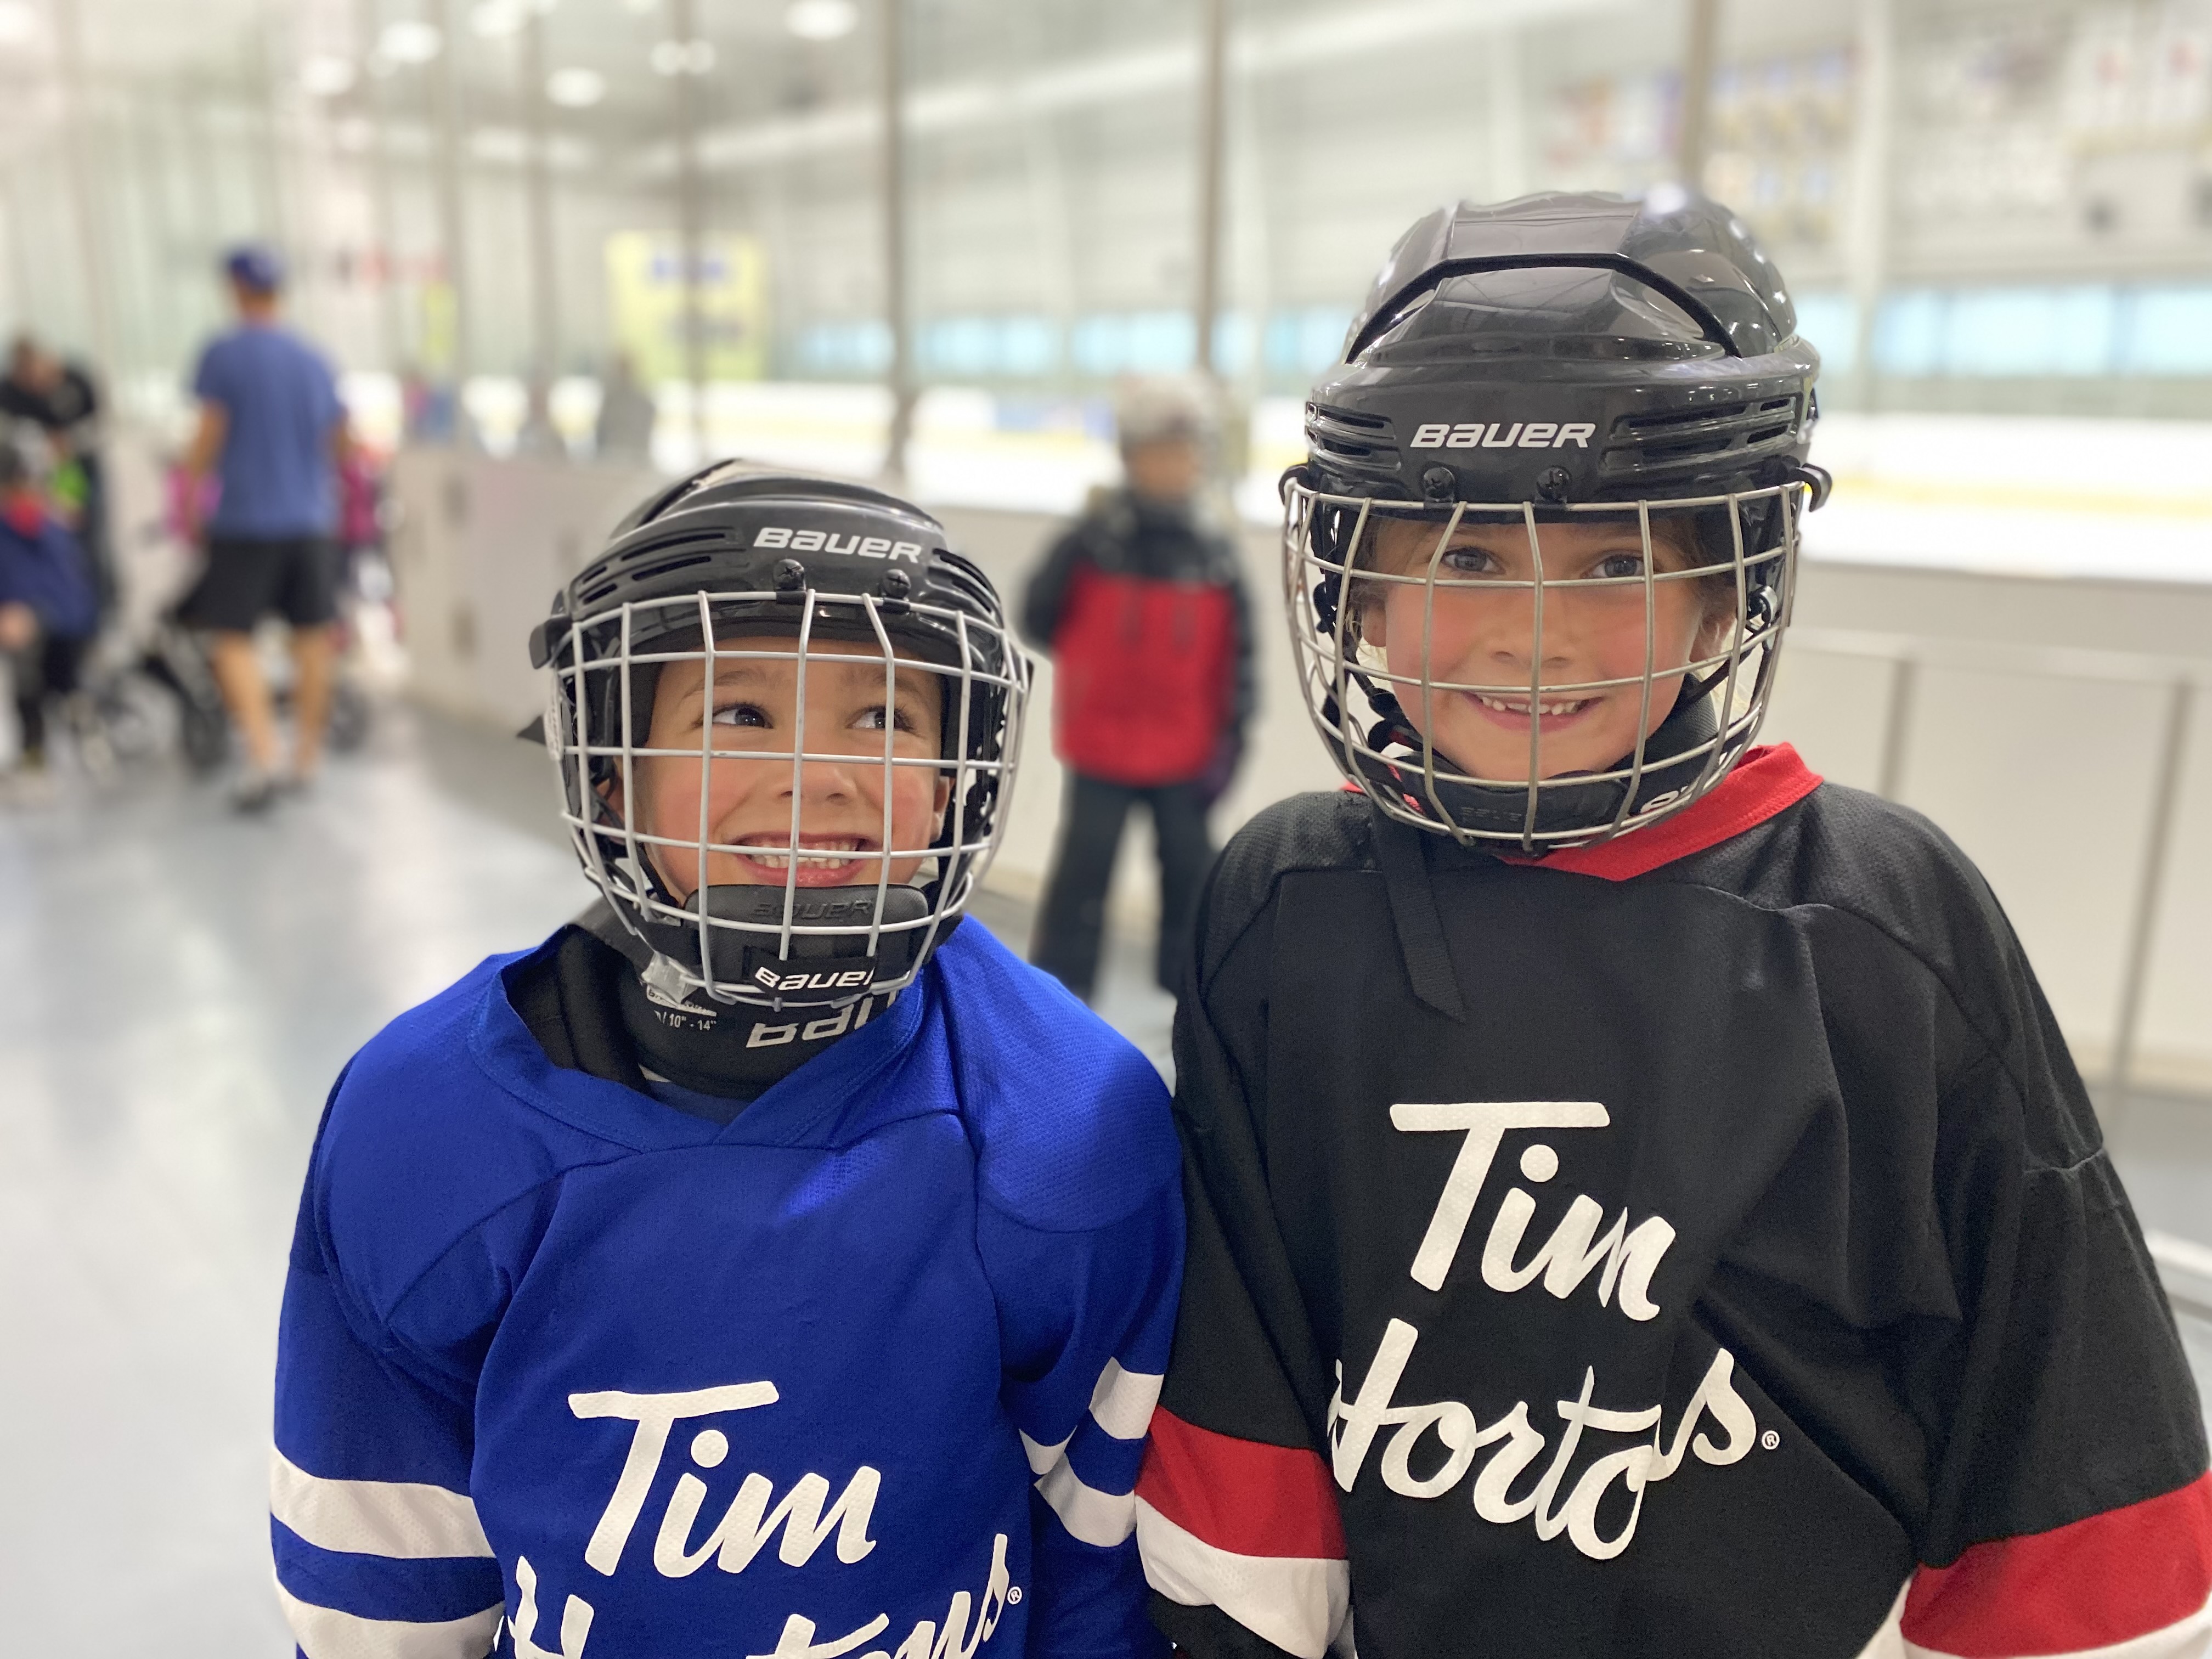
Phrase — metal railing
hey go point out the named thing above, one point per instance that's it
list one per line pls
(2181, 678)
(2185, 1267)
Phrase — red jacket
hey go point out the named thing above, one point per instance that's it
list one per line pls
(1144, 611)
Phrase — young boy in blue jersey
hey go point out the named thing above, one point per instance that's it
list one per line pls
(768, 1264)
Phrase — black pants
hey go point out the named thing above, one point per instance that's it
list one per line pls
(1072, 925)
(47, 668)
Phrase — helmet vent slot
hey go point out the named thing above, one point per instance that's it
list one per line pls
(608, 576)
(1355, 441)
(1347, 417)
(662, 567)
(1635, 423)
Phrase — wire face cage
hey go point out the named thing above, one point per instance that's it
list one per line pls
(790, 795)
(1525, 676)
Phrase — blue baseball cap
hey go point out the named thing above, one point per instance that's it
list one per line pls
(253, 266)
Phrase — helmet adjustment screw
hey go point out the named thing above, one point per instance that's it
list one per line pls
(896, 585)
(1439, 484)
(1552, 483)
(790, 576)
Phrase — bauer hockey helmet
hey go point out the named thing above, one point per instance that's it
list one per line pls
(1600, 364)
(743, 581)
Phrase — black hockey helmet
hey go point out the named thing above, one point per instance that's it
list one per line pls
(712, 569)
(1559, 358)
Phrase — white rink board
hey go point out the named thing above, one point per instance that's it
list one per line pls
(2046, 783)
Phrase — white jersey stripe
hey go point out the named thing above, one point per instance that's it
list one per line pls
(1300, 1603)
(1043, 1457)
(2190, 1639)
(1101, 1518)
(1122, 1402)
(1889, 1642)
(402, 1520)
(327, 1633)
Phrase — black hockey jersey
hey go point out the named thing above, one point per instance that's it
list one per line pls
(1699, 1244)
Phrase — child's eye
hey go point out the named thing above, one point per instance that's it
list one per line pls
(1615, 566)
(872, 720)
(1471, 562)
(740, 714)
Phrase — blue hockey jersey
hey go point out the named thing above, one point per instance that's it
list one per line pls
(564, 1372)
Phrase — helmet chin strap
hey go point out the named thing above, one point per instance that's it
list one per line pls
(1497, 810)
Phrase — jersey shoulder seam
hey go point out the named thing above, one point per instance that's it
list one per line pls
(1991, 1048)
(1356, 860)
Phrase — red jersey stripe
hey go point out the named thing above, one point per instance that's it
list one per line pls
(2108, 1579)
(1241, 1496)
(1767, 779)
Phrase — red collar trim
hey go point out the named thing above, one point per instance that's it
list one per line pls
(1768, 780)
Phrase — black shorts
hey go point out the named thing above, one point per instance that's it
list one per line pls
(248, 578)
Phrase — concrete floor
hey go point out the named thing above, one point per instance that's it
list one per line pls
(177, 990)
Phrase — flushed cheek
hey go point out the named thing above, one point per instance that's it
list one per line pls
(1451, 655)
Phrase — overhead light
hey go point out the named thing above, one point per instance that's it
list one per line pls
(410, 40)
(575, 89)
(327, 77)
(821, 20)
(20, 23)
(494, 19)
(683, 57)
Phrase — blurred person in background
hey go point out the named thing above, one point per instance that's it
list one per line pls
(49, 606)
(273, 434)
(624, 430)
(538, 434)
(427, 407)
(1142, 606)
(59, 397)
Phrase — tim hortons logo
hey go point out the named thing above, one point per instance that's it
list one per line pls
(1521, 434)
(805, 1517)
(822, 541)
(1624, 1259)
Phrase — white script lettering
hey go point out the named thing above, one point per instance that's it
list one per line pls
(1353, 1426)
(655, 1414)
(1483, 1123)
(575, 1618)
(956, 1639)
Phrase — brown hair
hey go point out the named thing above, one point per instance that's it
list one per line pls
(1701, 537)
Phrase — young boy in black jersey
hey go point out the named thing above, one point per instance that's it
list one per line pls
(1639, 1202)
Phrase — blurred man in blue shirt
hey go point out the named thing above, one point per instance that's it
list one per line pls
(271, 431)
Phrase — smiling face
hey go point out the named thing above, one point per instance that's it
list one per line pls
(1476, 637)
(842, 793)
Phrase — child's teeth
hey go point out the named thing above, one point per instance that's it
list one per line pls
(1522, 707)
(768, 860)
